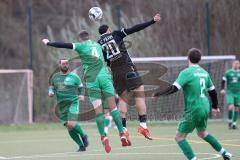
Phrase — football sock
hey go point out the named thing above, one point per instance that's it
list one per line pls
(230, 115)
(75, 137)
(186, 148)
(235, 116)
(78, 129)
(117, 119)
(106, 122)
(100, 123)
(213, 142)
(143, 120)
(124, 122)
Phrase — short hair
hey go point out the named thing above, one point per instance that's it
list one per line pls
(194, 55)
(103, 29)
(83, 35)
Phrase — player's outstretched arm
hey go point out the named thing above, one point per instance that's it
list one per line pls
(142, 26)
(57, 44)
(170, 90)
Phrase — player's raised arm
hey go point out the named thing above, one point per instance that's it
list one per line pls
(141, 26)
(57, 44)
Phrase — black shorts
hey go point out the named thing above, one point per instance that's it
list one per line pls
(126, 78)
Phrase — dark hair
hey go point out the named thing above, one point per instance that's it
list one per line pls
(194, 55)
(83, 35)
(103, 29)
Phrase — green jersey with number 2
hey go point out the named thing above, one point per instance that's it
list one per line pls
(195, 82)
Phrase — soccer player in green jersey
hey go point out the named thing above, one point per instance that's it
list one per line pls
(195, 82)
(98, 81)
(66, 86)
(232, 77)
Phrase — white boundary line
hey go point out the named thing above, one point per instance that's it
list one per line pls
(75, 154)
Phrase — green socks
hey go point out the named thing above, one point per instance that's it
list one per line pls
(230, 115)
(75, 137)
(213, 142)
(117, 119)
(106, 122)
(235, 116)
(186, 148)
(100, 123)
(78, 129)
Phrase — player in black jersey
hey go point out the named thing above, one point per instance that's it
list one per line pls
(125, 75)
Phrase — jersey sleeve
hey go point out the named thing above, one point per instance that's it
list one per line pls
(182, 80)
(120, 33)
(77, 47)
(210, 85)
(80, 85)
(51, 89)
(136, 28)
(225, 76)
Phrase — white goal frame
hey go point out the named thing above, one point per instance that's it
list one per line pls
(181, 58)
(29, 74)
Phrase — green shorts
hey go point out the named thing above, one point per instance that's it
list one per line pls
(101, 88)
(68, 111)
(195, 119)
(233, 99)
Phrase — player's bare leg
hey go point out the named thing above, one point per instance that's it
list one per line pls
(117, 119)
(231, 108)
(215, 144)
(142, 111)
(123, 109)
(100, 124)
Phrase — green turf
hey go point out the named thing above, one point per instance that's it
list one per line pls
(51, 142)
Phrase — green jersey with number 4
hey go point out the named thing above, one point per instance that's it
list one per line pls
(195, 82)
(233, 81)
(91, 55)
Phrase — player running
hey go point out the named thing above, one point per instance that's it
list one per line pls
(232, 77)
(125, 75)
(66, 86)
(98, 82)
(196, 82)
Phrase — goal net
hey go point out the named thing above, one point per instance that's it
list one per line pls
(166, 69)
(16, 96)
(171, 107)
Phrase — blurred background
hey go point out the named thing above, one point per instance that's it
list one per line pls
(210, 25)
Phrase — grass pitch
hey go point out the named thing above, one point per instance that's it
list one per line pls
(52, 142)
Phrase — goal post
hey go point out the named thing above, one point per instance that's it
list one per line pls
(171, 107)
(16, 89)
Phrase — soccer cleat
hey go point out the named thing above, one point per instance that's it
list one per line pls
(106, 144)
(85, 141)
(127, 136)
(82, 149)
(145, 132)
(123, 139)
(227, 156)
(234, 127)
(230, 125)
